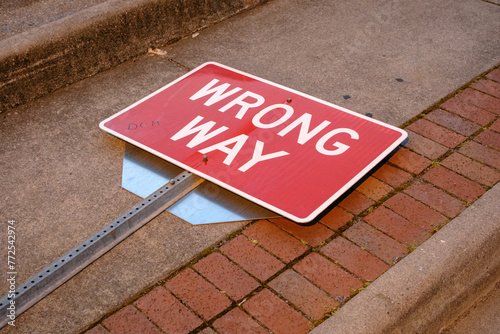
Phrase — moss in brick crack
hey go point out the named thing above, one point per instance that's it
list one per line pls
(369, 210)
(255, 242)
(434, 163)
(438, 227)
(411, 247)
(332, 312)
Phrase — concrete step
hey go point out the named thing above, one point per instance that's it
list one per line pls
(50, 44)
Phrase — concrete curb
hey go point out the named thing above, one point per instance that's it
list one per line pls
(36, 62)
(435, 283)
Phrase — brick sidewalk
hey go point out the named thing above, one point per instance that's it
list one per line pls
(275, 275)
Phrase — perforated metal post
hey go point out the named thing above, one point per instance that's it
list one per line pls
(71, 263)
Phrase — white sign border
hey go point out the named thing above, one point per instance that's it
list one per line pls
(283, 213)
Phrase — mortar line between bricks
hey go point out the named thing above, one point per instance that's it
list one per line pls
(297, 309)
(364, 281)
(392, 263)
(149, 319)
(359, 217)
(481, 91)
(252, 317)
(337, 233)
(233, 306)
(291, 264)
(467, 138)
(292, 305)
(290, 234)
(190, 308)
(460, 145)
(206, 323)
(288, 266)
(436, 162)
(238, 306)
(466, 203)
(263, 284)
(138, 310)
(220, 290)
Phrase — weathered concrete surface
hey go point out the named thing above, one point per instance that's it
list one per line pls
(17, 16)
(53, 54)
(433, 285)
(60, 181)
(330, 49)
(483, 317)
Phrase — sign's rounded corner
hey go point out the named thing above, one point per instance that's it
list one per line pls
(211, 63)
(102, 126)
(404, 133)
(303, 221)
(404, 137)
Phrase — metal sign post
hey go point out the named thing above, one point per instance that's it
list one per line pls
(74, 261)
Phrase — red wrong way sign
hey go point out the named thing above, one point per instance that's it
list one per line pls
(285, 150)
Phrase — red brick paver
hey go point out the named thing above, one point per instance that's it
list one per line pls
(312, 235)
(303, 294)
(393, 176)
(489, 138)
(481, 153)
(453, 122)
(374, 189)
(253, 259)
(356, 203)
(207, 330)
(488, 86)
(327, 275)
(397, 227)
(129, 320)
(97, 330)
(494, 75)
(410, 161)
(437, 133)
(435, 198)
(496, 126)
(415, 211)
(238, 322)
(272, 238)
(425, 146)
(200, 295)
(167, 312)
(275, 314)
(454, 183)
(354, 259)
(471, 169)
(336, 218)
(473, 105)
(226, 276)
(376, 242)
